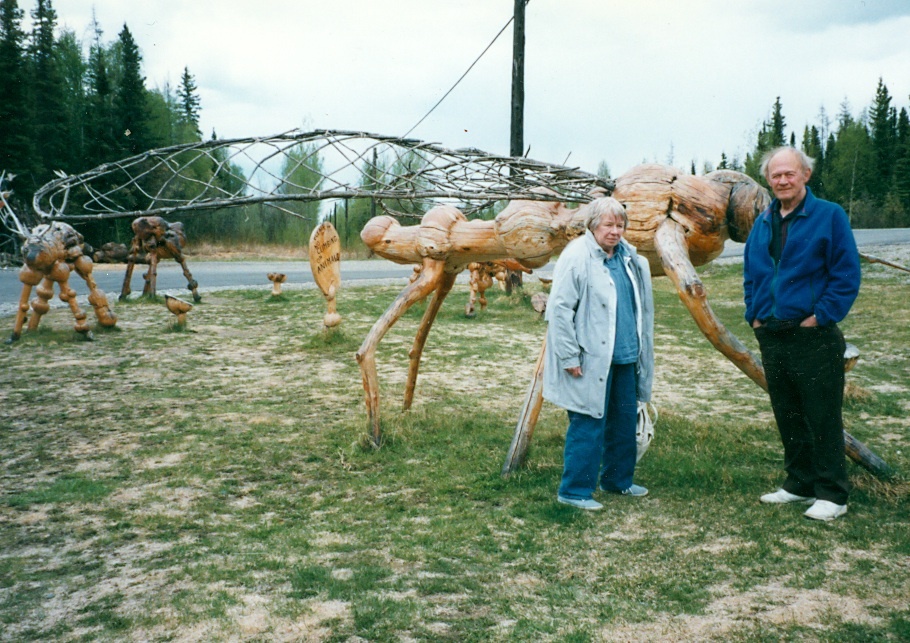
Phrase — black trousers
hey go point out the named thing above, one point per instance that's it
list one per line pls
(805, 372)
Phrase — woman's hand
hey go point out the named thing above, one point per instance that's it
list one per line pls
(809, 322)
(574, 371)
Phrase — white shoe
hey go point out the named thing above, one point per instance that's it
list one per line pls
(825, 510)
(781, 497)
(589, 504)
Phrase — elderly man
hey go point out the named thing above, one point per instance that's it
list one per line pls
(801, 275)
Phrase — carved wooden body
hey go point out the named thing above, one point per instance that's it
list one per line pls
(158, 239)
(51, 252)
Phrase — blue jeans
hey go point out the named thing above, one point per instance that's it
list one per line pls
(603, 447)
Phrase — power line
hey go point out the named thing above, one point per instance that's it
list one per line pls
(439, 102)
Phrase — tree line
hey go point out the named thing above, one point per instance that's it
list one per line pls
(69, 106)
(861, 162)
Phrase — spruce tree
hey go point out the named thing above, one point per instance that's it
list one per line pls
(17, 152)
(102, 144)
(73, 72)
(812, 146)
(50, 97)
(883, 126)
(770, 135)
(130, 100)
(901, 175)
(189, 104)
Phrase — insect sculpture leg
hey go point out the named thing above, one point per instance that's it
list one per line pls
(446, 281)
(29, 279)
(428, 280)
(41, 303)
(152, 275)
(527, 419)
(671, 244)
(191, 284)
(130, 264)
(96, 296)
(68, 295)
(670, 241)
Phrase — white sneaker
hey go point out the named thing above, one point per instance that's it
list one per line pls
(782, 497)
(825, 510)
(589, 504)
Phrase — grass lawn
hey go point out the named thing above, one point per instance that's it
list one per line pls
(216, 484)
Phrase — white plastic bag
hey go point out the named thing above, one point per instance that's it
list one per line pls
(644, 428)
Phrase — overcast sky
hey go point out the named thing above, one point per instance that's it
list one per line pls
(621, 81)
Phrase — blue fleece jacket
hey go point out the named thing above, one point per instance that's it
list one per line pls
(818, 272)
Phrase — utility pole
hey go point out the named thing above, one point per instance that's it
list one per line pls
(518, 80)
(516, 148)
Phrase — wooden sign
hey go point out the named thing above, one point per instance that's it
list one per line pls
(325, 262)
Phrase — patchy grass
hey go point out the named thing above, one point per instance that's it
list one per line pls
(211, 484)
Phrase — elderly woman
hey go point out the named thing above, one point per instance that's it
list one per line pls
(599, 359)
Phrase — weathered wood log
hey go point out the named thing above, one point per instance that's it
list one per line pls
(874, 259)
(527, 418)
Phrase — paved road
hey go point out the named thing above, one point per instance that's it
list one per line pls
(214, 275)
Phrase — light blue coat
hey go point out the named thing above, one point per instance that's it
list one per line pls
(581, 316)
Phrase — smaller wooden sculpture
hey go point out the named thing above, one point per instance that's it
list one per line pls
(325, 262)
(481, 278)
(51, 252)
(179, 307)
(158, 239)
(277, 278)
(112, 252)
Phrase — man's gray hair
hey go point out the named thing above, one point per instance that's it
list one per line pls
(807, 162)
(605, 205)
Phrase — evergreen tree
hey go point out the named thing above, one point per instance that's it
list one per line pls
(17, 153)
(164, 118)
(723, 165)
(848, 168)
(189, 103)
(130, 99)
(812, 146)
(901, 175)
(883, 125)
(776, 133)
(73, 72)
(903, 127)
(101, 126)
(770, 135)
(50, 116)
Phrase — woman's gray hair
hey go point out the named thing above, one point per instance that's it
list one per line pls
(806, 161)
(605, 205)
